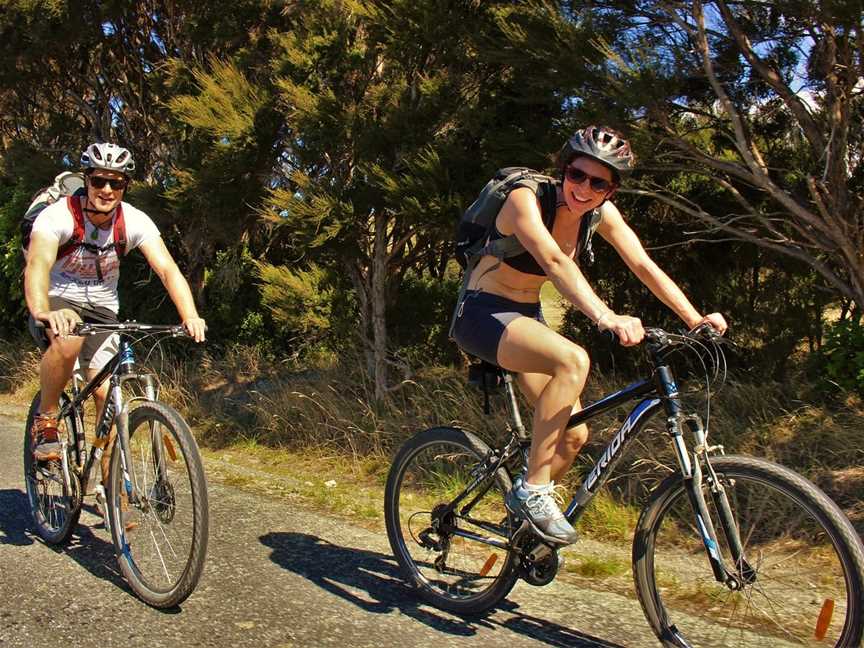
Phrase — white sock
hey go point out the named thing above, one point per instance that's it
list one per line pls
(527, 488)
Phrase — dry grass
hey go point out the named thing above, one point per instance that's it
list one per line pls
(243, 400)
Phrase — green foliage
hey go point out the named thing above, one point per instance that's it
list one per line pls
(300, 301)
(420, 320)
(226, 106)
(842, 354)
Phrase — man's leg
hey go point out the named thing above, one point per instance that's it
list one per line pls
(56, 368)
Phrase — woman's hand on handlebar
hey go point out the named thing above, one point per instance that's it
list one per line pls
(715, 321)
(627, 329)
(61, 322)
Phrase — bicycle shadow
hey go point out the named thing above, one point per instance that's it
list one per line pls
(15, 521)
(85, 547)
(347, 572)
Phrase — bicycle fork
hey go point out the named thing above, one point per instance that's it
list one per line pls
(742, 574)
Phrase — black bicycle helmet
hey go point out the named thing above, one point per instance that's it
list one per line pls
(602, 144)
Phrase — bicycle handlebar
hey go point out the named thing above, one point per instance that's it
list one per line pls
(174, 330)
(84, 328)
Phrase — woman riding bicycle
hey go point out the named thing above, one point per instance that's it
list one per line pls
(500, 319)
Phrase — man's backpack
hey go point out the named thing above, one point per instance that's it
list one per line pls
(475, 226)
(70, 186)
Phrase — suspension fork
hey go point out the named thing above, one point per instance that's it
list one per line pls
(122, 423)
(701, 469)
(691, 471)
(744, 572)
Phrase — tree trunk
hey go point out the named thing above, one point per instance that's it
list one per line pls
(379, 304)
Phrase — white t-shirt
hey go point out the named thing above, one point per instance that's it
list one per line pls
(74, 276)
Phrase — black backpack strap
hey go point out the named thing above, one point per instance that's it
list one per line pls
(584, 248)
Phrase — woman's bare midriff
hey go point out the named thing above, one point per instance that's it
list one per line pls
(508, 282)
(505, 281)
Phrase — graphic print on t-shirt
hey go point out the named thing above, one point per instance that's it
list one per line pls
(80, 267)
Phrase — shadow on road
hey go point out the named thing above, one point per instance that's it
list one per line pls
(14, 518)
(372, 581)
(84, 547)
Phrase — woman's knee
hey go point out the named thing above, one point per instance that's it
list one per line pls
(574, 363)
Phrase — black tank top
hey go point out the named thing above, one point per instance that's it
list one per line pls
(525, 262)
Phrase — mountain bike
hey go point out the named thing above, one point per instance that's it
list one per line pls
(728, 550)
(155, 507)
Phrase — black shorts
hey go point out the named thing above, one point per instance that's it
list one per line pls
(481, 321)
(97, 350)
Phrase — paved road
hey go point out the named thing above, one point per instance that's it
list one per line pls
(277, 575)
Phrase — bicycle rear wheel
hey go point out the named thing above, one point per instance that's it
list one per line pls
(805, 587)
(451, 571)
(160, 541)
(54, 506)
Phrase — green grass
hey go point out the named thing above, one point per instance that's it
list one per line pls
(597, 567)
(326, 416)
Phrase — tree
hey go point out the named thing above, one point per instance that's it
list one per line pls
(397, 112)
(763, 102)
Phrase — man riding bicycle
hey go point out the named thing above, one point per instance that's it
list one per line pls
(66, 284)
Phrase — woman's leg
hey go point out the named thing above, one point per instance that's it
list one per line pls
(573, 438)
(527, 346)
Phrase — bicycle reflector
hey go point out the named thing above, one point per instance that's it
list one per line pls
(169, 447)
(824, 619)
(490, 561)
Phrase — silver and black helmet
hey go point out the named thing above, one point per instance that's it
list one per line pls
(602, 144)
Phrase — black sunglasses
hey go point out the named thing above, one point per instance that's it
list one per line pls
(578, 176)
(116, 185)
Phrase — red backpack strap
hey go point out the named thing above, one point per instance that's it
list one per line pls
(74, 205)
(120, 232)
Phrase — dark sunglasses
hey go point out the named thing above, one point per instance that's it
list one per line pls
(99, 182)
(578, 176)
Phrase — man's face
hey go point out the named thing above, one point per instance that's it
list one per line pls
(106, 197)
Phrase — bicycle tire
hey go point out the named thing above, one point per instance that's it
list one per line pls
(55, 509)
(808, 562)
(428, 471)
(174, 508)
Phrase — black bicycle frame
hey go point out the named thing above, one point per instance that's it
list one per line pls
(119, 369)
(661, 392)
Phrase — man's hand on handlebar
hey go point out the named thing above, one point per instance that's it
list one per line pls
(61, 322)
(195, 327)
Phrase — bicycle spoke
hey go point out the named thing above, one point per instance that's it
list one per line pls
(454, 571)
(796, 566)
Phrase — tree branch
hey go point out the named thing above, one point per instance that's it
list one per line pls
(772, 77)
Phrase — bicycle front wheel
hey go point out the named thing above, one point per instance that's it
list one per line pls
(800, 578)
(161, 539)
(55, 506)
(437, 541)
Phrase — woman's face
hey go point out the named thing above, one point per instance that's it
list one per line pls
(587, 183)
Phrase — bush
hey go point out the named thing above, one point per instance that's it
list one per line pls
(842, 354)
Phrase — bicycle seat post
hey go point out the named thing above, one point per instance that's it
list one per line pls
(513, 406)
